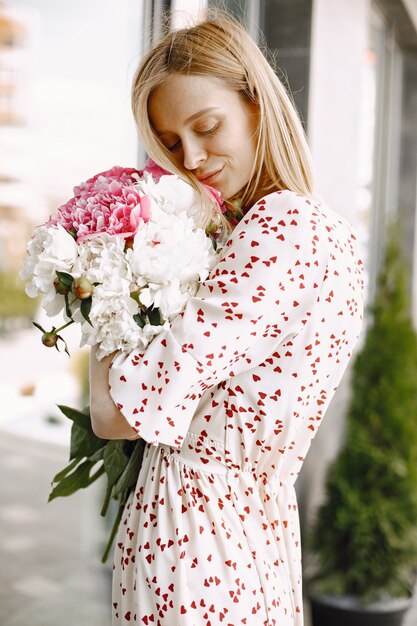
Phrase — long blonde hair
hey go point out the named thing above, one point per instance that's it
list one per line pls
(220, 47)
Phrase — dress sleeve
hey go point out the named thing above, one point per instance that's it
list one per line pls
(260, 293)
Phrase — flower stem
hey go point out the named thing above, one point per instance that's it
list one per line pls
(57, 330)
(106, 499)
(113, 532)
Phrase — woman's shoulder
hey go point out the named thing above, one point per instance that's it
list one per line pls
(286, 209)
(310, 209)
(298, 221)
(282, 222)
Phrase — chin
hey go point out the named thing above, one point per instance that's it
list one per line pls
(227, 193)
(236, 191)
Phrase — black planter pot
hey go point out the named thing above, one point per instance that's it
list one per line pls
(330, 610)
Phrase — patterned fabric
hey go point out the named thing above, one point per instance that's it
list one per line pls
(228, 401)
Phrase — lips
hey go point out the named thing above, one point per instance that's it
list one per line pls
(210, 176)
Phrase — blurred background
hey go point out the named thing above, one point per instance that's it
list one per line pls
(65, 75)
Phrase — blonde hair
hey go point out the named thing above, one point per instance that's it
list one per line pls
(220, 47)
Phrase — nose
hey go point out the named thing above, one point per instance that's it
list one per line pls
(194, 154)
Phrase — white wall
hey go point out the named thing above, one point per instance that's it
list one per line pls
(187, 12)
(411, 6)
(339, 37)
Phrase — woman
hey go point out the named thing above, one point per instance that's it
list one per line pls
(229, 399)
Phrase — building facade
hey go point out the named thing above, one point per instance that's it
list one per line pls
(351, 67)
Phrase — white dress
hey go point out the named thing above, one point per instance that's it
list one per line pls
(229, 400)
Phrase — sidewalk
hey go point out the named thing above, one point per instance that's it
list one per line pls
(50, 553)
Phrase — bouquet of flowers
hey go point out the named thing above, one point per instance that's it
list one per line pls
(120, 258)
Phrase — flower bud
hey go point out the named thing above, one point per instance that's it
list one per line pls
(61, 287)
(49, 339)
(82, 288)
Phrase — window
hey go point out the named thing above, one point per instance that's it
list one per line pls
(248, 11)
(379, 140)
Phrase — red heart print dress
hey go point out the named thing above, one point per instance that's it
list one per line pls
(229, 400)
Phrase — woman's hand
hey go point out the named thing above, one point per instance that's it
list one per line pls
(106, 419)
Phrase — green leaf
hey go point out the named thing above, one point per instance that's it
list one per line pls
(139, 320)
(124, 486)
(115, 460)
(80, 478)
(65, 278)
(85, 309)
(81, 418)
(67, 306)
(39, 327)
(84, 442)
(58, 477)
(98, 455)
(129, 477)
(60, 338)
(106, 501)
(129, 446)
(154, 316)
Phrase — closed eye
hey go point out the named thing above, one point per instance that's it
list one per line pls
(210, 131)
(174, 147)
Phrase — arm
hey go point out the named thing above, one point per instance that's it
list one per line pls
(106, 419)
(260, 293)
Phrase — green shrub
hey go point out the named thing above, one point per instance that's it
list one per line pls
(364, 535)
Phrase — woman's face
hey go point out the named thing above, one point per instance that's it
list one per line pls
(208, 128)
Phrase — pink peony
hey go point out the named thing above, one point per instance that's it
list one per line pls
(154, 170)
(106, 203)
(110, 203)
(122, 174)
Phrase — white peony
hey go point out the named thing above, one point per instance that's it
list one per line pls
(172, 195)
(170, 299)
(102, 259)
(170, 249)
(50, 249)
(113, 326)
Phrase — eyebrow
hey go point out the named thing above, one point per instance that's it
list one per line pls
(191, 118)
